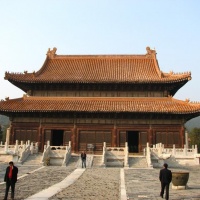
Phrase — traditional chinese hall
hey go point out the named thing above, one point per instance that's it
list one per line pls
(91, 99)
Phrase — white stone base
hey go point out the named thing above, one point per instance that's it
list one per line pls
(179, 187)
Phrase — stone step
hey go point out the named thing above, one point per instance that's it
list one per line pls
(114, 162)
(138, 162)
(73, 161)
(97, 161)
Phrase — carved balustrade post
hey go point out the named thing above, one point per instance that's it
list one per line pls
(174, 150)
(6, 147)
(32, 148)
(16, 146)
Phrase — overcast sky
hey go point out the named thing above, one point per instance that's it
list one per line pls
(29, 28)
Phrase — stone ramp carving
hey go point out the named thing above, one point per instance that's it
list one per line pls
(171, 161)
(33, 159)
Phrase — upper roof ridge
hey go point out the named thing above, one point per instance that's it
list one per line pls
(105, 69)
(52, 55)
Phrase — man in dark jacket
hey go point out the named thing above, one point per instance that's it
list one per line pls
(165, 179)
(83, 158)
(10, 179)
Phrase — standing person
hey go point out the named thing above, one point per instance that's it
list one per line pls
(165, 179)
(10, 179)
(83, 158)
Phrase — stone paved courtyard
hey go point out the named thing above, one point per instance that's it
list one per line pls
(100, 183)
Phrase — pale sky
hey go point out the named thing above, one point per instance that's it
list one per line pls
(29, 28)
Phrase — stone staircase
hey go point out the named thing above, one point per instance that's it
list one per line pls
(97, 161)
(112, 162)
(114, 157)
(73, 161)
(115, 160)
(137, 161)
(33, 159)
(57, 157)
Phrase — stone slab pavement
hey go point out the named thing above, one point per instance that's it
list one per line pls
(144, 184)
(138, 184)
(101, 184)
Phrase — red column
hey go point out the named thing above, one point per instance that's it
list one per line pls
(182, 134)
(74, 139)
(150, 138)
(40, 139)
(114, 138)
(43, 138)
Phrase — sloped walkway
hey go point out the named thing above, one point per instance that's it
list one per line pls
(99, 183)
(54, 189)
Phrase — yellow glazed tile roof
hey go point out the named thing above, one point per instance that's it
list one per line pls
(99, 69)
(95, 104)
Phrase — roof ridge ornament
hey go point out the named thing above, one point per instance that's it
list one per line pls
(187, 100)
(150, 52)
(51, 53)
(24, 96)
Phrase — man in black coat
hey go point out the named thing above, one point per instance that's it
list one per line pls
(10, 179)
(165, 179)
(83, 158)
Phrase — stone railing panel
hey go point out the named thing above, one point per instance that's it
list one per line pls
(24, 154)
(46, 155)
